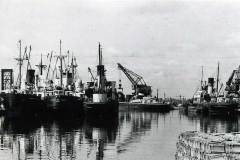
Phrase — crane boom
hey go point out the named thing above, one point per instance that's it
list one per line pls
(233, 83)
(90, 71)
(138, 83)
(134, 78)
(231, 78)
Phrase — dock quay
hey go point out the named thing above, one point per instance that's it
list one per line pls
(208, 146)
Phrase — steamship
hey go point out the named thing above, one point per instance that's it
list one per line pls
(102, 94)
(209, 100)
(60, 95)
(148, 104)
(20, 99)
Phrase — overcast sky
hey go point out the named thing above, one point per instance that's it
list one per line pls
(165, 41)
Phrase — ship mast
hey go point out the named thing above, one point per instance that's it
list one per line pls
(61, 69)
(100, 70)
(41, 66)
(99, 64)
(73, 67)
(20, 60)
(99, 54)
(202, 79)
(20, 63)
(60, 57)
(217, 78)
(28, 58)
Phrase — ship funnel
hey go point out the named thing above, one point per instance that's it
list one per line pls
(210, 85)
(30, 76)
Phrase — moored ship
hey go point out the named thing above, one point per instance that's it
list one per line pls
(60, 95)
(208, 99)
(20, 99)
(102, 100)
(149, 104)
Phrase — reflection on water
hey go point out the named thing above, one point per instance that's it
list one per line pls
(215, 123)
(131, 135)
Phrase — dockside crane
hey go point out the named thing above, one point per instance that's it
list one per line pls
(233, 83)
(138, 84)
(92, 77)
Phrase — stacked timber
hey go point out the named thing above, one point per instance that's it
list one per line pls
(194, 145)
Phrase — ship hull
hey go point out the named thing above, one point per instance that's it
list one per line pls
(109, 108)
(155, 107)
(149, 106)
(22, 104)
(64, 105)
(217, 108)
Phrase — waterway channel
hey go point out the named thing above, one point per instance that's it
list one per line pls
(130, 136)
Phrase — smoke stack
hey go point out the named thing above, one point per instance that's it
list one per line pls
(210, 85)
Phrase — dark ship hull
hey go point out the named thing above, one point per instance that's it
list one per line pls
(109, 108)
(217, 107)
(64, 105)
(154, 107)
(158, 107)
(22, 104)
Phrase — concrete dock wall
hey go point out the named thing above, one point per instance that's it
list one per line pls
(193, 145)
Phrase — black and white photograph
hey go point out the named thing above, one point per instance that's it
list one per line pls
(119, 80)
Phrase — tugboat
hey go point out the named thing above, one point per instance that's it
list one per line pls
(209, 100)
(102, 100)
(20, 99)
(61, 97)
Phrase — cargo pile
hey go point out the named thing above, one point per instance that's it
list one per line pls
(194, 145)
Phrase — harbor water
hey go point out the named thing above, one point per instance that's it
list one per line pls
(132, 135)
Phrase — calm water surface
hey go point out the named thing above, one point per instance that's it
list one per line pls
(134, 135)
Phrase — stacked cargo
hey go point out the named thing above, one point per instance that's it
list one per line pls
(193, 145)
